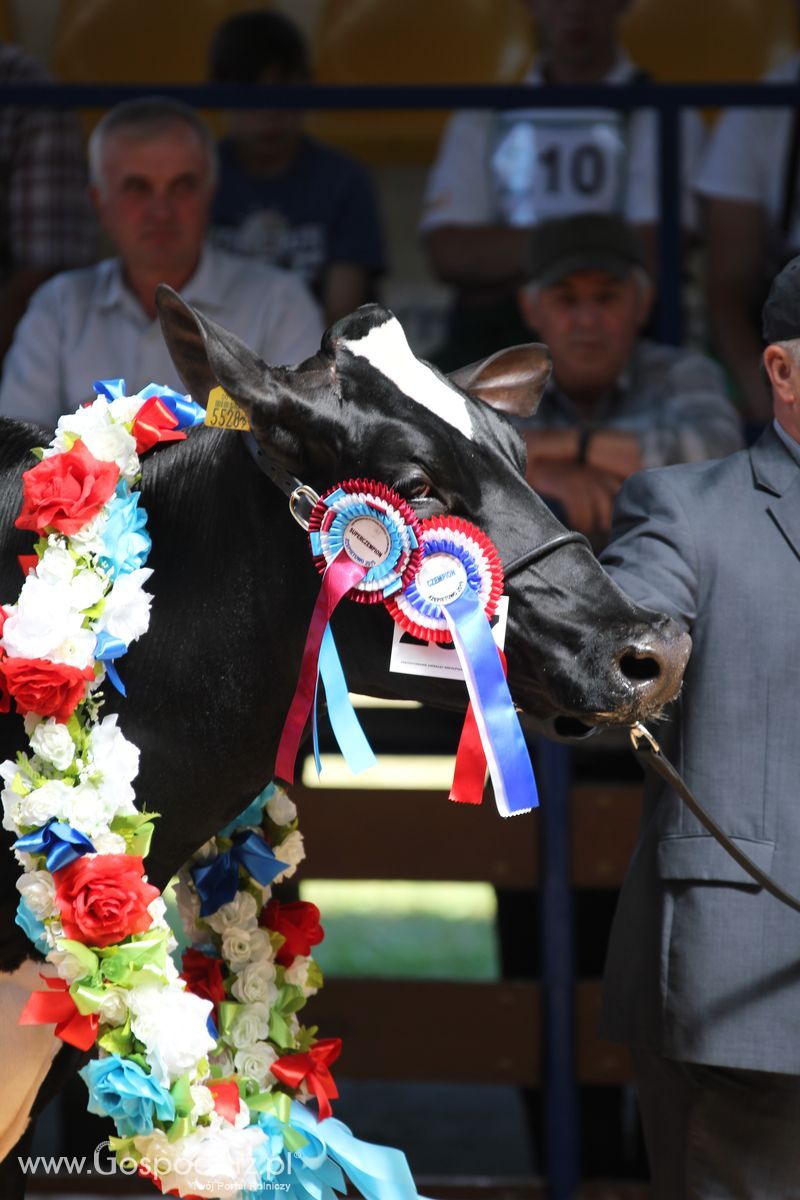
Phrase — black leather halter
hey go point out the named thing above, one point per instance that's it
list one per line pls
(569, 537)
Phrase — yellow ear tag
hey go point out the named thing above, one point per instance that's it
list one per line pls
(224, 413)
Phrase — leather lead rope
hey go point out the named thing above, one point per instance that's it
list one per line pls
(648, 751)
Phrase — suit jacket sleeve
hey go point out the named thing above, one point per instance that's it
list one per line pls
(652, 554)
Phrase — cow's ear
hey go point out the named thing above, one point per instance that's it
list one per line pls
(510, 380)
(202, 351)
(293, 412)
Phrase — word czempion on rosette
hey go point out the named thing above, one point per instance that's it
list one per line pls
(452, 597)
(364, 538)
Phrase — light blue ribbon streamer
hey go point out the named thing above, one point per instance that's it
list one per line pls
(347, 730)
(217, 881)
(506, 753)
(59, 843)
(316, 1169)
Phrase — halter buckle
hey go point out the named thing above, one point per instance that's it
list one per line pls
(302, 495)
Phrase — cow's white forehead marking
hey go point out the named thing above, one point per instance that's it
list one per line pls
(386, 348)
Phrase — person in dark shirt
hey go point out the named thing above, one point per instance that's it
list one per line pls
(282, 195)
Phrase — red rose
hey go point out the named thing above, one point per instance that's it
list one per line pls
(65, 491)
(46, 688)
(203, 975)
(103, 898)
(298, 922)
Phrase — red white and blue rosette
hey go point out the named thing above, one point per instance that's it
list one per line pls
(375, 528)
(364, 539)
(452, 597)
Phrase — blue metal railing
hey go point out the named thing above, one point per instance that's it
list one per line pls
(667, 99)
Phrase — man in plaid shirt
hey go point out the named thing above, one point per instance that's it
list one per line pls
(46, 221)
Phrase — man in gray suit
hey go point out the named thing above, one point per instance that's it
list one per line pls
(703, 970)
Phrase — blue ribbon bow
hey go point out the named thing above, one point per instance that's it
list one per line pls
(217, 881)
(107, 649)
(59, 843)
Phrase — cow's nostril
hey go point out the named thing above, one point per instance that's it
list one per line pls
(639, 668)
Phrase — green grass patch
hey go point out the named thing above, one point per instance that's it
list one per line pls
(402, 929)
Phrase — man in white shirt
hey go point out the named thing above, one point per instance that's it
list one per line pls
(749, 181)
(499, 174)
(152, 179)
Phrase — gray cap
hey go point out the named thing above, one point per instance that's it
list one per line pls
(780, 316)
(590, 242)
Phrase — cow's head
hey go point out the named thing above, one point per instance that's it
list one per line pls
(365, 406)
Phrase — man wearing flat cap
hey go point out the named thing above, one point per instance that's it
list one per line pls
(616, 402)
(703, 969)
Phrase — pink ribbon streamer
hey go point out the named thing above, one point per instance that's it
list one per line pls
(340, 576)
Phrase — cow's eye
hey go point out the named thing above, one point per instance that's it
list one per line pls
(415, 485)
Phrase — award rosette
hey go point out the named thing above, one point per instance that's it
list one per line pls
(364, 539)
(452, 598)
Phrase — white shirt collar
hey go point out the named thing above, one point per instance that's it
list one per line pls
(621, 72)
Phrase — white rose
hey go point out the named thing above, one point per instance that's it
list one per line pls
(250, 1025)
(39, 892)
(106, 438)
(292, 851)
(223, 1059)
(207, 851)
(111, 753)
(261, 948)
(52, 799)
(127, 610)
(52, 742)
(9, 769)
(113, 443)
(114, 1006)
(281, 809)
(107, 842)
(158, 911)
(297, 974)
(189, 910)
(172, 1024)
(256, 982)
(86, 588)
(214, 1163)
(255, 1062)
(89, 539)
(125, 408)
(236, 947)
(47, 625)
(56, 564)
(77, 650)
(202, 1099)
(68, 965)
(89, 812)
(241, 912)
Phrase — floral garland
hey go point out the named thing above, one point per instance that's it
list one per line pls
(205, 1072)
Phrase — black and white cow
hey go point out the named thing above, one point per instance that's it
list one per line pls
(234, 584)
